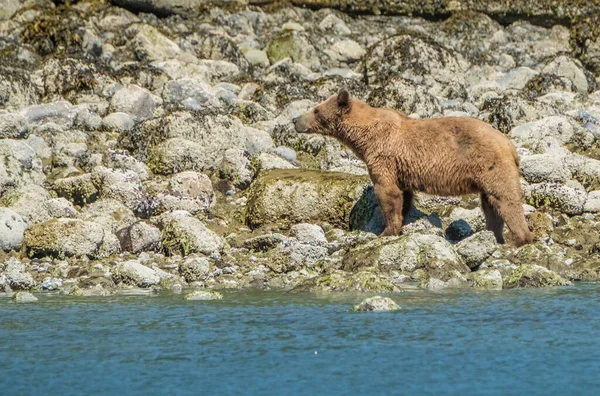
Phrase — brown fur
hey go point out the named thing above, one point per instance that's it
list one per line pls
(442, 156)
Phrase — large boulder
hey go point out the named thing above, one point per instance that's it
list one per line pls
(287, 197)
(184, 234)
(190, 191)
(70, 237)
(133, 273)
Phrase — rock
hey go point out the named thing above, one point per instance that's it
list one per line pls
(538, 168)
(8, 8)
(109, 214)
(268, 161)
(377, 304)
(256, 57)
(77, 189)
(295, 46)
(133, 273)
(13, 126)
(475, 249)
(203, 295)
(287, 197)
(236, 167)
(263, 243)
(406, 96)
(16, 275)
(195, 269)
(592, 204)
(566, 199)
(334, 24)
(122, 185)
(140, 237)
(293, 255)
(545, 135)
(515, 108)
(118, 122)
(342, 281)
(308, 233)
(517, 78)
(464, 222)
(184, 234)
(149, 44)
(69, 237)
(135, 101)
(418, 60)
(189, 191)
(12, 228)
(60, 113)
(488, 279)
(406, 254)
(59, 207)
(24, 297)
(96, 291)
(176, 155)
(571, 69)
(121, 159)
(532, 275)
(346, 51)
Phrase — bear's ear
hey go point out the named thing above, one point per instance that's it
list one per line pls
(343, 98)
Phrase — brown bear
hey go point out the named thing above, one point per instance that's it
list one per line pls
(442, 156)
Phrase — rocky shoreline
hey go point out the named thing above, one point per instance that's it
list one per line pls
(156, 151)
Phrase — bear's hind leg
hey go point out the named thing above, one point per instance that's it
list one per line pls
(493, 221)
(511, 211)
(391, 201)
(407, 200)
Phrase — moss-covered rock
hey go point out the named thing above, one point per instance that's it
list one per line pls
(532, 275)
(487, 279)
(367, 280)
(78, 189)
(203, 295)
(184, 234)
(287, 197)
(70, 237)
(295, 46)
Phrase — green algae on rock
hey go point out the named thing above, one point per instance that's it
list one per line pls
(532, 275)
(287, 197)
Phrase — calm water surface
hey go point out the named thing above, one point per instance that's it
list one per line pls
(534, 342)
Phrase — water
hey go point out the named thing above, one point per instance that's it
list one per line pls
(534, 342)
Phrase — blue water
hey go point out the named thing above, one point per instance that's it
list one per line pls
(534, 342)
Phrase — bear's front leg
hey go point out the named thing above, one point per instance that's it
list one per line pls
(391, 202)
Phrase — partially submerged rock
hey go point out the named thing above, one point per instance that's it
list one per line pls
(532, 275)
(377, 304)
(203, 295)
(24, 297)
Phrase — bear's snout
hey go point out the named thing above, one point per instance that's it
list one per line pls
(300, 124)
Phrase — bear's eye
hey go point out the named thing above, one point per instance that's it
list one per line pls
(316, 111)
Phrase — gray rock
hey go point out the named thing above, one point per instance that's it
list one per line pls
(517, 78)
(308, 233)
(13, 126)
(256, 57)
(203, 295)
(189, 191)
(335, 25)
(572, 69)
(140, 237)
(61, 113)
(592, 204)
(133, 273)
(286, 153)
(293, 45)
(195, 269)
(118, 121)
(8, 8)
(135, 101)
(150, 44)
(346, 51)
(406, 96)
(12, 228)
(487, 279)
(475, 249)
(110, 214)
(377, 304)
(77, 189)
(237, 168)
(547, 135)
(70, 238)
(59, 207)
(121, 159)
(267, 161)
(16, 275)
(566, 199)
(176, 155)
(464, 222)
(293, 255)
(24, 297)
(539, 168)
(184, 234)
(122, 185)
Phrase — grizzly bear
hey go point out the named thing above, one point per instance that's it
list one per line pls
(441, 156)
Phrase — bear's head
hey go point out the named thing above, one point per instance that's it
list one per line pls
(326, 117)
